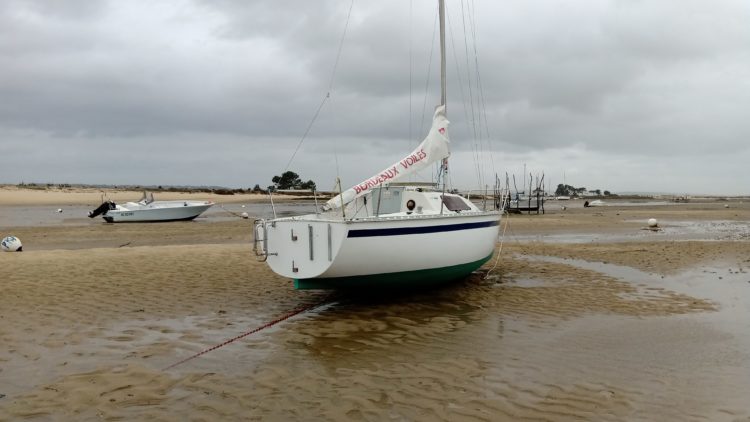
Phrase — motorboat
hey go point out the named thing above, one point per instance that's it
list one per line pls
(149, 210)
(595, 203)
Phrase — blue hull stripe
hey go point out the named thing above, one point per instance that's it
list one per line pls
(420, 230)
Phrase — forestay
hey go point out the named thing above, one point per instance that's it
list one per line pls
(434, 148)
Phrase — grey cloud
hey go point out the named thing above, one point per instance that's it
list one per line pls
(619, 81)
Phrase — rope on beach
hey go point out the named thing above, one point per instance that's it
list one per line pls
(500, 250)
(232, 212)
(282, 318)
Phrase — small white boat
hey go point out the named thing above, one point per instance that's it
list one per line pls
(148, 210)
(595, 203)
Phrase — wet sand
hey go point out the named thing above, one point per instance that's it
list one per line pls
(584, 316)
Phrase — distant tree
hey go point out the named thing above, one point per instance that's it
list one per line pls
(565, 190)
(598, 192)
(291, 180)
(288, 180)
(607, 193)
(257, 188)
(307, 185)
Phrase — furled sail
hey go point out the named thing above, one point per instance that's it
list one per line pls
(435, 147)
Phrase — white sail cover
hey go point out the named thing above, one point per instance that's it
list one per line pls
(435, 147)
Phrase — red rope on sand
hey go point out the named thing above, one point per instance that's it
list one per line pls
(255, 330)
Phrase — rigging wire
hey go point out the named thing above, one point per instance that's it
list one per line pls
(307, 131)
(429, 73)
(474, 151)
(427, 86)
(327, 96)
(411, 68)
(481, 104)
(480, 120)
(468, 78)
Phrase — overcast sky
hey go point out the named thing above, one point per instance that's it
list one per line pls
(628, 95)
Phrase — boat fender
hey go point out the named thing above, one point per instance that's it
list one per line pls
(11, 244)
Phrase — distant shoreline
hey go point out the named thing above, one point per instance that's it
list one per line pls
(82, 195)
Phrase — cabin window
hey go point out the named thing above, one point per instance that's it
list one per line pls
(386, 200)
(455, 203)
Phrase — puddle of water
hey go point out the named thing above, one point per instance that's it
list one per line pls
(727, 286)
(527, 283)
(668, 230)
(158, 342)
(714, 230)
(579, 238)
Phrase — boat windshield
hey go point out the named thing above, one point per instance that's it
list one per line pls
(454, 203)
(147, 197)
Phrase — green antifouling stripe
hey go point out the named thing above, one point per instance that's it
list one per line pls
(405, 279)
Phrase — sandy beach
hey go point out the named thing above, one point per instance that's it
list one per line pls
(582, 315)
(13, 195)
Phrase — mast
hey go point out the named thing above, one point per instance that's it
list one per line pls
(442, 53)
(443, 102)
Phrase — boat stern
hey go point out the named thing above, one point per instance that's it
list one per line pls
(298, 248)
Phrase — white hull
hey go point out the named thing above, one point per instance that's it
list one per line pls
(310, 246)
(132, 212)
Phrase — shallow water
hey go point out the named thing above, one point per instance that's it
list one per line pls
(458, 353)
(77, 215)
(667, 230)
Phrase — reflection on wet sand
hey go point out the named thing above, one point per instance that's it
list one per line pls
(599, 331)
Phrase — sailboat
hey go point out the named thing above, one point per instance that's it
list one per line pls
(382, 233)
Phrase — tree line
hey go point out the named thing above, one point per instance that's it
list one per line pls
(287, 180)
(567, 190)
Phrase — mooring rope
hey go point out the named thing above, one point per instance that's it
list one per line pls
(500, 249)
(231, 212)
(282, 318)
(502, 237)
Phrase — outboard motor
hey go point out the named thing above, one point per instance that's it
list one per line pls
(102, 209)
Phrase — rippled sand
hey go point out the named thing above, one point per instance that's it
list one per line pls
(647, 329)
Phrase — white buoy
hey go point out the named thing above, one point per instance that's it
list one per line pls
(244, 215)
(243, 206)
(653, 223)
(11, 244)
(59, 210)
(726, 205)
